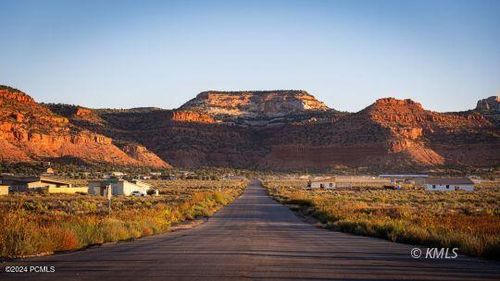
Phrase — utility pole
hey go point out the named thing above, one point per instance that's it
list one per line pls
(109, 194)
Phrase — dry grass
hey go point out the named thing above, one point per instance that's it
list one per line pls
(467, 220)
(34, 224)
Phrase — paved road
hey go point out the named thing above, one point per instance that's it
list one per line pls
(255, 238)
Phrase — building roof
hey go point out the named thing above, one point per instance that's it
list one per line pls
(341, 178)
(52, 180)
(444, 181)
(28, 179)
(107, 181)
(137, 183)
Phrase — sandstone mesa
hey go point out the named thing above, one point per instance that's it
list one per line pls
(277, 130)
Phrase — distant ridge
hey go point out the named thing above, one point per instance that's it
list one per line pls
(272, 130)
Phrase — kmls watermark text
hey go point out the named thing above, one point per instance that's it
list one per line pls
(434, 253)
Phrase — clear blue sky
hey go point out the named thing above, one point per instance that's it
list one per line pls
(444, 54)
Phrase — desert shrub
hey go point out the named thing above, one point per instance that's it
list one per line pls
(469, 221)
(34, 224)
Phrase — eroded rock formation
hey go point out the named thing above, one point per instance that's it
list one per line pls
(30, 131)
(253, 104)
(191, 116)
(276, 130)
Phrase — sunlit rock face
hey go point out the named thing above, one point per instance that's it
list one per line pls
(490, 108)
(491, 104)
(226, 106)
(33, 132)
(273, 130)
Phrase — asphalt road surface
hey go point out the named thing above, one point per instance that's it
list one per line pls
(254, 238)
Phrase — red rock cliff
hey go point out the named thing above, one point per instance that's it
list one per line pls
(190, 116)
(30, 131)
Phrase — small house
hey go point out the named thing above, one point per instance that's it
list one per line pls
(347, 181)
(118, 187)
(4, 190)
(325, 183)
(29, 183)
(360, 181)
(449, 184)
(118, 174)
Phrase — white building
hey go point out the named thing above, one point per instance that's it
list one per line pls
(4, 190)
(347, 181)
(118, 187)
(360, 181)
(118, 174)
(449, 184)
(322, 183)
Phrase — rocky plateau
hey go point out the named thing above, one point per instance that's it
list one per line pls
(273, 130)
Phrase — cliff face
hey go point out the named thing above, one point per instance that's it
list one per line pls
(428, 138)
(490, 108)
(274, 130)
(31, 131)
(191, 116)
(490, 105)
(390, 133)
(227, 106)
(143, 156)
(76, 114)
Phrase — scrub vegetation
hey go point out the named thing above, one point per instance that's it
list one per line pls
(32, 224)
(469, 221)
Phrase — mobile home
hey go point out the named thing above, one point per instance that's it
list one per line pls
(449, 184)
(322, 183)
